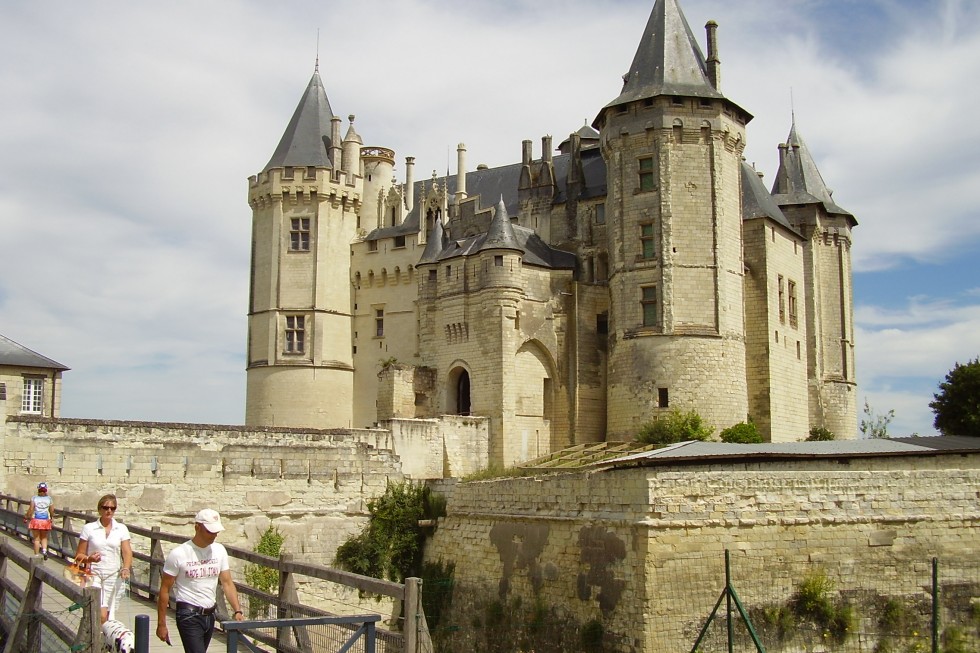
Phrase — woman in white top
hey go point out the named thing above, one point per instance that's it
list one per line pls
(104, 547)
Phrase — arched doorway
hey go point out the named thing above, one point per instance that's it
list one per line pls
(458, 392)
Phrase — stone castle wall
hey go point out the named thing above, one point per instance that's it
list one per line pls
(311, 485)
(644, 548)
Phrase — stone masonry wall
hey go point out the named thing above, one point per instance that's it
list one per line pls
(644, 548)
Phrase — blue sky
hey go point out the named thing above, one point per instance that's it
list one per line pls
(129, 131)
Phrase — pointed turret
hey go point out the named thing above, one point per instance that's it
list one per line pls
(668, 60)
(434, 244)
(500, 235)
(756, 200)
(798, 180)
(307, 139)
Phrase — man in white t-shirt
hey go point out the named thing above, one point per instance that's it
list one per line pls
(193, 571)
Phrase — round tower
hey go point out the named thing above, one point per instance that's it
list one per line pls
(672, 145)
(304, 217)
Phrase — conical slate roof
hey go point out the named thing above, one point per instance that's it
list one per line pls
(500, 235)
(17, 355)
(668, 60)
(756, 200)
(798, 180)
(306, 141)
(434, 244)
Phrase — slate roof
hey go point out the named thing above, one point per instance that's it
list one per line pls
(16, 355)
(798, 181)
(668, 60)
(536, 251)
(757, 202)
(306, 141)
(712, 452)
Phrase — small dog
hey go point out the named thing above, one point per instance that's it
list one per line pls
(117, 638)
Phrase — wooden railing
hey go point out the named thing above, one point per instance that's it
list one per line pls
(34, 609)
(149, 557)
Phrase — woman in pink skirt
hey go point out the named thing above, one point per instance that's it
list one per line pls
(40, 516)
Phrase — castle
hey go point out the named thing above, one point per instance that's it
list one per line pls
(638, 267)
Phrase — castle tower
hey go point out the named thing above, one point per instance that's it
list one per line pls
(305, 204)
(672, 145)
(808, 204)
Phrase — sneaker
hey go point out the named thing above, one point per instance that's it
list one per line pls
(44, 552)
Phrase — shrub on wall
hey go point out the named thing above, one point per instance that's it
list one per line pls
(264, 578)
(675, 426)
(820, 434)
(742, 433)
(390, 546)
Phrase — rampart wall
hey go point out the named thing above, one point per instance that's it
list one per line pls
(641, 550)
(312, 485)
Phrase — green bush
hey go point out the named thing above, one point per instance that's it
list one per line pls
(390, 546)
(742, 433)
(264, 578)
(675, 426)
(820, 434)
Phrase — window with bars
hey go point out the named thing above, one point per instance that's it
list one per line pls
(32, 400)
(647, 249)
(299, 235)
(646, 174)
(379, 322)
(648, 304)
(295, 342)
(791, 287)
(781, 289)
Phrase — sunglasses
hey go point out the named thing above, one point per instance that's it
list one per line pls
(113, 508)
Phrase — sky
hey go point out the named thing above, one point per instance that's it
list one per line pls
(128, 132)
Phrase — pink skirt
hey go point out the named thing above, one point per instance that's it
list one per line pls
(40, 525)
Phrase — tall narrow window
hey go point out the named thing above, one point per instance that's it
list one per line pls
(32, 401)
(600, 213)
(299, 235)
(646, 173)
(792, 304)
(295, 334)
(646, 241)
(648, 302)
(379, 322)
(782, 299)
(663, 398)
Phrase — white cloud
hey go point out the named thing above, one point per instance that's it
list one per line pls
(130, 129)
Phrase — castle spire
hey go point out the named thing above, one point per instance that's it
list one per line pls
(798, 181)
(307, 139)
(500, 235)
(668, 60)
(434, 244)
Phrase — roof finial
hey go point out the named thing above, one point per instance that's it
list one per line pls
(792, 107)
(316, 66)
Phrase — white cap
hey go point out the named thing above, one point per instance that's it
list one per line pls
(210, 519)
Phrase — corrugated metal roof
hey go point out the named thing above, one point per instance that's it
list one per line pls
(17, 355)
(711, 452)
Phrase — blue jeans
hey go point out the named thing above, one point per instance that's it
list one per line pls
(195, 630)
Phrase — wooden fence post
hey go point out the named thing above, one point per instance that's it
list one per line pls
(27, 625)
(89, 633)
(410, 631)
(156, 563)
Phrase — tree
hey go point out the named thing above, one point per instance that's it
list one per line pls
(675, 427)
(261, 577)
(874, 425)
(821, 434)
(957, 405)
(741, 433)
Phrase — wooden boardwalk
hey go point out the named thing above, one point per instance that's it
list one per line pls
(129, 606)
